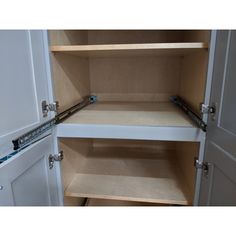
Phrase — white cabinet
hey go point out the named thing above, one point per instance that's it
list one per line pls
(122, 136)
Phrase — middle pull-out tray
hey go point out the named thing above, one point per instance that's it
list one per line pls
(130, 120)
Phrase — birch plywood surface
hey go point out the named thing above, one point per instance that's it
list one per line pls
(108, 202)
(139, 114)
(131, 175)
(134, 78)
(130, 49)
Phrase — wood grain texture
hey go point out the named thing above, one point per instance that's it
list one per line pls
(193, 79)
(130, 49)
(128, 174)
(134, 36)
(68, 37)
(185, 153)
(196, 36)
(134, 79)
(139, 114)
(127, 188)
(71, 79)
(108, 202)
(75, 151)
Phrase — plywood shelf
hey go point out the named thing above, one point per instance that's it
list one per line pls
(130, 175)
(130, 120)
(130, 49)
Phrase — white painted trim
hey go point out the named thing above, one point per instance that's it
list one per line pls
(57, 166)
(130, 132)
(199, 172)
(48, 66)
(210, 71)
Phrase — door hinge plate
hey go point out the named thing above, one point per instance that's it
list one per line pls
(56, 157)
(206, 109)
(202, 165)
(49, 107)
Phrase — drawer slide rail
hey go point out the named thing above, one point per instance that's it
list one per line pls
(186, 108)
(30, 136)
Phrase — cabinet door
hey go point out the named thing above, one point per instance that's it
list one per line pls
(24, 80)
(218, 186)
(25, 177)
(26, 180)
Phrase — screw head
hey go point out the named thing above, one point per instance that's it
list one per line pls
(1, 187)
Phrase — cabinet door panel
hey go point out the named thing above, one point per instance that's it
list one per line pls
(219, 186)
(24, 83)
(26, 179)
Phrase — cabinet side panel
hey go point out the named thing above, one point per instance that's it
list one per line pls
(70, 78)
(75, 152)
(186, 152)
(194, 70)
(193, 79)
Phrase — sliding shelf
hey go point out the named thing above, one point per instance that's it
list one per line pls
(130, 175)
(130, 49)
(130, 120)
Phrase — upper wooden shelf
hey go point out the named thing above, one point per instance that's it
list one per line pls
(130, 49)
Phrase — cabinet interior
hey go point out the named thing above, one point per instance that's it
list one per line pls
(146, 78)
(129, 82)
(137, 171)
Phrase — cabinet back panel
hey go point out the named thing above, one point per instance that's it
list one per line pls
(68, 37)
(196, 36)
(83, 37)
(133, 36)
(135, 79)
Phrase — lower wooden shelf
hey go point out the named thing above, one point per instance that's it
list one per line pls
(130, 176)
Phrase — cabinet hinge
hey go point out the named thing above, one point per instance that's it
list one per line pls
(206, 109)
(55, 157)
(202, 165)
(49, 107)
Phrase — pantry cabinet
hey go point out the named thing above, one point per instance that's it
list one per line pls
(117, 117)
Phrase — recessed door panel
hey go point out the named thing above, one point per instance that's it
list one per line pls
(18, 88)
(27, 180)
(24, 81)
(31, 187)
(228, 113)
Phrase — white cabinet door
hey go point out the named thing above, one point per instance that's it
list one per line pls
(218, 182)
(24, 83)
(26, 180)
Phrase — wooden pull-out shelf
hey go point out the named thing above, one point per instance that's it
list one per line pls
(130, 175)
(130, 120)
(130, 49)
